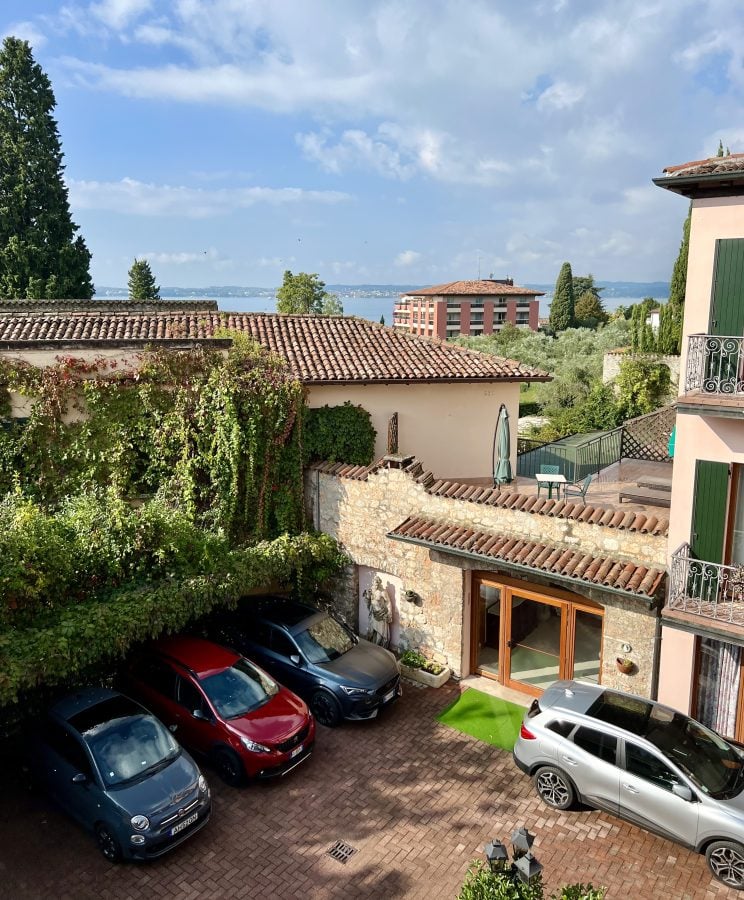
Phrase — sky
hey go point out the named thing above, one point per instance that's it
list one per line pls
(384, 141)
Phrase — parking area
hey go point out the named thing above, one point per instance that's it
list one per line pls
(415, 799)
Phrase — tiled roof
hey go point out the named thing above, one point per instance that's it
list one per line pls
(318, 349)
(106, 304)
(483, 287)
(563, 562)
(623, 520)
(715, 165)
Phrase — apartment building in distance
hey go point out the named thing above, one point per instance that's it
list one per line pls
(701, 667)
(467, 307)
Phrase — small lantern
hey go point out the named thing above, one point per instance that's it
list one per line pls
(497, 856)
(522, 842)
(527, 868)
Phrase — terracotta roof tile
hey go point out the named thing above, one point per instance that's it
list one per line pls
(318, 349)
(714, 165)
(488, 496)
(602, 571)
(479, 288)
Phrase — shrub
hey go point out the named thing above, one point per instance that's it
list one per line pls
(339, 434)
(482, 884)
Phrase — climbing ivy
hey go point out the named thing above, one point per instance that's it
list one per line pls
(219, 436)
(340, 434)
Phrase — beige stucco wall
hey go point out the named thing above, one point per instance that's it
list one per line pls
(676, 664)
(449, 427)
(359, 514)
(712, 218)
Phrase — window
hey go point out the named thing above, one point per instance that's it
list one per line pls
(603, 746)
(239, 689)
(281, 644)
(68, 747)
(649, 767)
(190, 697)
(324, 640)
(561, 728)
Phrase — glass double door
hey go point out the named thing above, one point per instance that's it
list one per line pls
(527, 639)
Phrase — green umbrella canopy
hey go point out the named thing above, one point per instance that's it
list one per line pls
(670, 445)
(502, 471)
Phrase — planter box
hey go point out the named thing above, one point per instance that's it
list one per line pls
(426, 677)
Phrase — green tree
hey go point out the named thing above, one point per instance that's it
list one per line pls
(589, 310)
(642, 385)
(584, 283)
(142, 282)
(382, 320)
(562, 314)
(677, 285)
(306, 294)
(40, 254)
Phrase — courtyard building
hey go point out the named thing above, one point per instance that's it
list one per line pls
(702, 660)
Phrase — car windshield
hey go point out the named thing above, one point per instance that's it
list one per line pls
(713, 764)
(324, 640)
(239, 690)
(130, 748)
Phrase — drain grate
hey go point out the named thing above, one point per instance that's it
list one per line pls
(341, 851)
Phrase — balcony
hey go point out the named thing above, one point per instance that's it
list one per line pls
(714, 379)
(706, 589)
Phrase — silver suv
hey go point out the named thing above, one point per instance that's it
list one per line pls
(640, 760)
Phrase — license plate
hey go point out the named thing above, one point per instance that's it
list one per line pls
(296, 752)
(185, 824)
(388, 696)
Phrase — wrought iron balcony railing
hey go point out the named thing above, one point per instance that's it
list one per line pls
(715, 364)
(706, 589)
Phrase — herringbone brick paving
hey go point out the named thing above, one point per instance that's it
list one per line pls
(415, 798)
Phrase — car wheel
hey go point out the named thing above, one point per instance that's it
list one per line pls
(554, 787)
(228, 765)
(107, 843)
(726, 862)
(325, 708)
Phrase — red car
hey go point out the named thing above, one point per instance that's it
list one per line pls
(223, 706)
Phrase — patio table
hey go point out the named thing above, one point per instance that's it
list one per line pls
(552, 481)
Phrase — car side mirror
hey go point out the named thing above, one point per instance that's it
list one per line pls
(201, 715)
(681, 790)
(80, 778)
(295, 658)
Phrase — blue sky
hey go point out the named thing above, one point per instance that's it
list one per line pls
(384, 142)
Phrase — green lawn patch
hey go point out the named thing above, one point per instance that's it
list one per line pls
(487, 718)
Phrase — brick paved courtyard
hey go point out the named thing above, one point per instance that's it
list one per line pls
(416, 799)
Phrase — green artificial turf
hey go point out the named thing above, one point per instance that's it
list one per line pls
(484, 717)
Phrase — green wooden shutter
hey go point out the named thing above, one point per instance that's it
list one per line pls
(727, 307)
(709, 511)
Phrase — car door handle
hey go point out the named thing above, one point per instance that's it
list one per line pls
(570, 760)
(172, 728)
(631, 789)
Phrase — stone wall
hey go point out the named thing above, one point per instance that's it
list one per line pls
(360, 513)
(611, 365)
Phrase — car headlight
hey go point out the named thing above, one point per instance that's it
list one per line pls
(141, 823)
(354, 690)
(203, 786)
(254, 746)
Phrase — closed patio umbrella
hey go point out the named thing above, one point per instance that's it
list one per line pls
(502, 471)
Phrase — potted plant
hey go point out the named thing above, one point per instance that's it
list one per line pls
(625, 665)
(417, 667)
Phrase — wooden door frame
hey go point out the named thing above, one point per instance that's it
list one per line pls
(738, 736)
(566, 600)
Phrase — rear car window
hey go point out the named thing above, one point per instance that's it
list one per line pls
(560, 727)
(603, 746)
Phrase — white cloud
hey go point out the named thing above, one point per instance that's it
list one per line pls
(26, 31)
(407, 258)
(133, 197)
(117, 14)
(354, 149)
(182, 257)
(560, 95)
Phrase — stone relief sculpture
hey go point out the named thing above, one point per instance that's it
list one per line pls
(380, 611)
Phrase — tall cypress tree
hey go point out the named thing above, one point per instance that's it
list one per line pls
(40, 254)
(142, 282)
(677, 285)
(562, 309)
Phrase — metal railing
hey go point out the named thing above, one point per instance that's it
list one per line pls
(575, 461)
(715, 364)
(706, 589)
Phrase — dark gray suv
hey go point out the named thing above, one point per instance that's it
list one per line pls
(339, 675)
(643, 761)
(115, 768)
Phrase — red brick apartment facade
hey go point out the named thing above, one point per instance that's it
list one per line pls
(467, 307)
